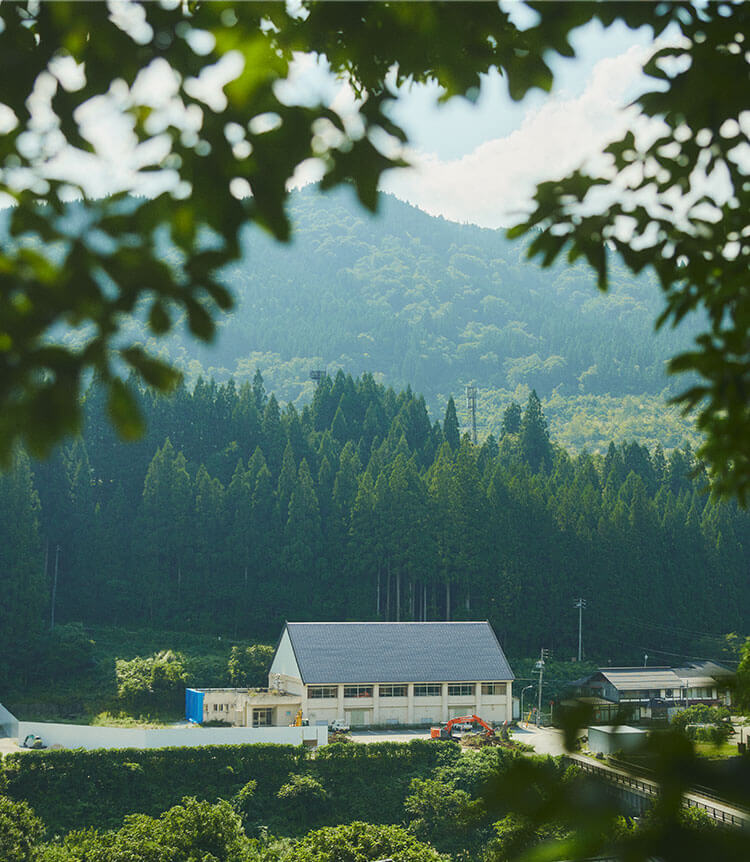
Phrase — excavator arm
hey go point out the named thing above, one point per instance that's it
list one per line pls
(445, 732)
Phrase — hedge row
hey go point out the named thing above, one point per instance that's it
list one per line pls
(75, 789)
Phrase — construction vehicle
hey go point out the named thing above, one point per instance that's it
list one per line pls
(446, 731)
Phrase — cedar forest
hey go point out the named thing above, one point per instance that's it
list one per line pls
(236, 511)
(233, 514)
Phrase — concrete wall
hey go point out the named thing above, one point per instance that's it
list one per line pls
(608, 739)
(83, 736)
(8, 723)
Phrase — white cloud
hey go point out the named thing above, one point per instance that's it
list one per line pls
(492, 186)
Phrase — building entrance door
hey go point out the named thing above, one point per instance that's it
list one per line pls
(358, 717)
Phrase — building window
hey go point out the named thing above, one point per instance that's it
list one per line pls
(392, 690)
(357, 691)
(263, 717)
(216, 706)
(428, 690)
(322, 691)
(465, 689)
(493, 688)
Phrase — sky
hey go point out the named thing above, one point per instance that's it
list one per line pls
(480, 163)
(476, 163)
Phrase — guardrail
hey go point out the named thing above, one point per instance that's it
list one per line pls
(650, 788)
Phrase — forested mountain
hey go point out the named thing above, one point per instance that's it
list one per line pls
(417, 300)
(233, 514)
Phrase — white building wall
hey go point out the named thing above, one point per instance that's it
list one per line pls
(411, 709)
(284, 672)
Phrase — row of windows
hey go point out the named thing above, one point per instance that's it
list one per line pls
(218, 707)
(464, 689)
(669, 693)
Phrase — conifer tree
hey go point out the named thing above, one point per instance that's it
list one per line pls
(450, 426)
(536, 449)
(511, 419)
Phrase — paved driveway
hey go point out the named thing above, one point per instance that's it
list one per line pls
(546, 740)
(389, 735)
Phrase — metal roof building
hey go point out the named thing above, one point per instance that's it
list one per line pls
(366, 673)
(397, 652)
(645, 692)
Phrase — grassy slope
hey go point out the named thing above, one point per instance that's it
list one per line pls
(91, 697)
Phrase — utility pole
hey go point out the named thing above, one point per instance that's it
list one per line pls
(471, 406)
(580, 604)
(543, 654)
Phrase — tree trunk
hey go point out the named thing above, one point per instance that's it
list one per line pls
(448, 600)
(468, 597)
(388, 592)
(398, 595)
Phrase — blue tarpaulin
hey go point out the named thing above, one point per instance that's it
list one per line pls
(194, 705)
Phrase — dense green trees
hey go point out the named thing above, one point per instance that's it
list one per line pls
(214, 525)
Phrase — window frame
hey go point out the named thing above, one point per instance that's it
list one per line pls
(428, 685)
(389, 690)
(322, 692)
(467, 689)
(268, 710)
(492, 689)
(360, 691)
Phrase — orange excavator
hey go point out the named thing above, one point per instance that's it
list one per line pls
(446, 731)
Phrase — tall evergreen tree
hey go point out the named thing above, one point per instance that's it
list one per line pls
(450, 426)
(536, 448)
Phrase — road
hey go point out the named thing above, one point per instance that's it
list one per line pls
(546, 740)
(389, 735)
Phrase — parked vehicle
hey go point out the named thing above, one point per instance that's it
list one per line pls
(338, 726)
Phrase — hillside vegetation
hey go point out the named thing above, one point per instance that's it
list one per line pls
(233, 515)
(420, 301)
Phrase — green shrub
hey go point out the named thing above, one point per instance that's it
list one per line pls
(155, 682)
(361, 842)
(704, 723)
(20, 830)
(249, 666)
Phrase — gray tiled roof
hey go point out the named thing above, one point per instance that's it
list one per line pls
(397, 652)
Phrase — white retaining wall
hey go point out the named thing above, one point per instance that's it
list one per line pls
(84, 736)
(8, 723)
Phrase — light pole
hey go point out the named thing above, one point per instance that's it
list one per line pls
(523, 691)
(543, 654)
(580, 604)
